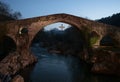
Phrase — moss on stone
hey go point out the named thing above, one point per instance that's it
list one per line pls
(86, 34)
(93, 40)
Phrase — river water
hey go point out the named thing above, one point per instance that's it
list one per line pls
(61, 68)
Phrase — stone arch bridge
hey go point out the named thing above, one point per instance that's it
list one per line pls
(34, 25)
(23, 31)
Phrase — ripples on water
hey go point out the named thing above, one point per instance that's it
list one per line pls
(60, 68)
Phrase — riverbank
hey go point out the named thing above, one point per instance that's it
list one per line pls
(103, 60)
(106, 60)
(50, 65)
(11, 64)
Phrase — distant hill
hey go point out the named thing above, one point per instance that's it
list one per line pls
(111, 20)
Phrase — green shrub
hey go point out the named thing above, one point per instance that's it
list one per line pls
(93, 40)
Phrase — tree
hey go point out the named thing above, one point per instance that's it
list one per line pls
(16, 15)
(4, 8)
(6, 11)
(112, 20)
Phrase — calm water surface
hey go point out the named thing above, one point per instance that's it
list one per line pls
(60, 68)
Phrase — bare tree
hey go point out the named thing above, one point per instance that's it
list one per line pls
(5, 10)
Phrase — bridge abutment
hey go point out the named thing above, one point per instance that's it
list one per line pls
(19, 59)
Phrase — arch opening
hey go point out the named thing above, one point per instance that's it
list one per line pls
(7, 46)
(107, 40)
(61, 38)
(58, 26)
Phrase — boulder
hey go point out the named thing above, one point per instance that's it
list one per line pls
(18, 78)
(106, 62)
(14, 62)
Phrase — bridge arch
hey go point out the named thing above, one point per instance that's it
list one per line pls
(71, 36)
(46, 23)
(34, 25)
(71, 25)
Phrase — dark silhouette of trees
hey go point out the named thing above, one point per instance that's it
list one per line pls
(111, 20)
(6, 11)
(68, 41)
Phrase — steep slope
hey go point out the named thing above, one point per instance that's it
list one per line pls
(111, 20)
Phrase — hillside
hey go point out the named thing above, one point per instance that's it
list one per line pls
(111, 20)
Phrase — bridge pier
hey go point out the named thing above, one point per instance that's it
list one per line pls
(19, 59)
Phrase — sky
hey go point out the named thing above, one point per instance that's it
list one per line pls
(91, 9)
(57, 25)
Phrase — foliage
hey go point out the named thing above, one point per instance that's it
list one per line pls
(69, 41)
(93, 37)
(6, 14)
(86, 34)
(6, 11)
(93, 40)
(112, 20)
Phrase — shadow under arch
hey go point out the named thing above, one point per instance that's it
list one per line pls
(7, 46)
(70, 28)
(107, 40)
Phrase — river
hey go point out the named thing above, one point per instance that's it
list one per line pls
(61, 68)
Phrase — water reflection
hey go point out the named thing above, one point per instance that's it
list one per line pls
(59, 68)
